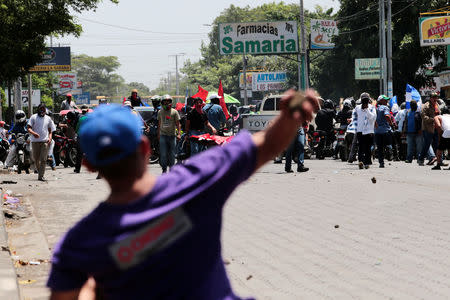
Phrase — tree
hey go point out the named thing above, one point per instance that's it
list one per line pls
(24, 26)
(212, 66)
(98, 74)
(334, 75)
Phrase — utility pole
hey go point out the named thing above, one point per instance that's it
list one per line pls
(168, 82)
(383, 46)
(244, 61)
(18, 94)
(303, 80)
(177, 77)
(30, 96)
(390, 88)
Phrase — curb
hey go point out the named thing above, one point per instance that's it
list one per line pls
(8, 279)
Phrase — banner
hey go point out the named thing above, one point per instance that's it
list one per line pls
(258, 38)
(322, 32)
(367, 68)
(434, 31)
(271, 81)
(249, 76)
(67, 82)
(54, 59)
(84, 98)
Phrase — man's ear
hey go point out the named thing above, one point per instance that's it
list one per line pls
(89, 166)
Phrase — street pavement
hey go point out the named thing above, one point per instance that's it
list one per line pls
(330, 233)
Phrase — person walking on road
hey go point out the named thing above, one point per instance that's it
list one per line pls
(442, 124)
(40, 126)
(150, 233)
(413, 129)
(297, 144)
(196, 124)
(430, 135)
(365, 116)
(384, 125)
(169, 130)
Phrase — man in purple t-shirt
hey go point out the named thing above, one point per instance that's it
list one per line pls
(159, 238)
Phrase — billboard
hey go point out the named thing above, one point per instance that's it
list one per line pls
(322, 32)
(54, 59)
(367, 68)
(434, 31)
(67, 81)
(35, 97)
(258, 38)
(84, 98)
(268, 81)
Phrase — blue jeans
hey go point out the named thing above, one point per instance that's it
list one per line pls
(414, 142)
(167, 147)
(429, 139)
(195, 147)
(298, 142)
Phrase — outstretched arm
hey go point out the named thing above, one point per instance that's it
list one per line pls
(279, 135)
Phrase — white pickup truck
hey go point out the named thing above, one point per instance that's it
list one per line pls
(269, 109)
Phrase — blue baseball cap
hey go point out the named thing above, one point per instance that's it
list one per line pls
(109, 134)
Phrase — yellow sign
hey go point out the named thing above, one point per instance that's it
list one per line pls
(47, 68)
(434, 31)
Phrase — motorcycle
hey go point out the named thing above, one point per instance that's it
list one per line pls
(22, 143)
(4, 149)
(322, 144)
(342, 149)
(65, 151)
(152, 136)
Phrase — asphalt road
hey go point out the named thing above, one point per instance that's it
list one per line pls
(330, 233)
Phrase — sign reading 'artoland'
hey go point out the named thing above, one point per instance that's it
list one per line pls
(258, 38)
(434, 31)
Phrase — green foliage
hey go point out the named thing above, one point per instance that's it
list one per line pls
(24, 26)
(212, 67)
(99, 76)
(333, 74)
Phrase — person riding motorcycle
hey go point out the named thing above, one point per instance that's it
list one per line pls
(135, 99)
(325, 117)
(344, 116)
(20, 126)
(156, 102)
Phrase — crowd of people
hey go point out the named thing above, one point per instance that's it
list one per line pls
(374, 129)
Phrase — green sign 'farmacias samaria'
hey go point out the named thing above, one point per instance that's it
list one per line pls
(258, 38)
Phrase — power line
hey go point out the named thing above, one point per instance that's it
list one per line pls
(375, 24)
(140, 30)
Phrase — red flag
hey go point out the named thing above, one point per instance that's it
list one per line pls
(202, 93)
(222, 100)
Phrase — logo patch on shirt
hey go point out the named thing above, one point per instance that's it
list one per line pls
(151, 239)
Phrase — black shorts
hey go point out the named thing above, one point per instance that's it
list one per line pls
(444, 144)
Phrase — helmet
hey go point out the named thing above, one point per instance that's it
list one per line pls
(127, 103)
(156, 101)
(166, 97)
(20, 116)
(347, 104)
(134, 91)
(328, 104)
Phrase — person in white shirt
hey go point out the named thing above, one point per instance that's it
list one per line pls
(68, 104)
(442, 124)
(40, 126)
(364, 117)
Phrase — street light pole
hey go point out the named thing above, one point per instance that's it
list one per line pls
(303, 80)
(177, 78)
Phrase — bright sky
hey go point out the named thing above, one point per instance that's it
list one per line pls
(145, 55)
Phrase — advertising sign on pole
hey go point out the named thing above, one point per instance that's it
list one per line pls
(367, 68)
(322, 32)
(258, 38)
(434, 31)
(271, 81)
(54, 59)
(35, 97)
(249, 76)
(84, 98)
(67, 81)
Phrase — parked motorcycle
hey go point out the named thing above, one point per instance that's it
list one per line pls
(342, 148)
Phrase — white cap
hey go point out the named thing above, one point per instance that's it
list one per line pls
(214, 96)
